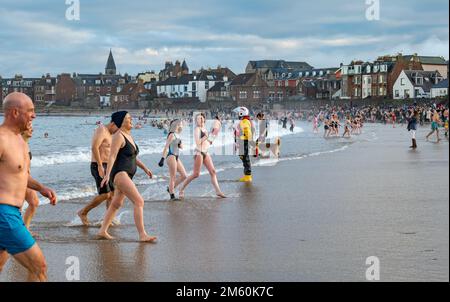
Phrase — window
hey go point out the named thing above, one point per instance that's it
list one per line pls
(242, 94)
(356, 92)
(397, 94)
(406, 92)
(419, 81)
(256, 94)
(185, 88)
(381, 79)
(369, 81)
(402, 82)
(194, 86)
(206, 85)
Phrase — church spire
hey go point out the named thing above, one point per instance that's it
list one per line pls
(110, 65)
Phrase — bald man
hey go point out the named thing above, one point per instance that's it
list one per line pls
(15, 239)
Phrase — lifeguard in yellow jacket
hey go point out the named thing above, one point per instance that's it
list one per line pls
(245, 135)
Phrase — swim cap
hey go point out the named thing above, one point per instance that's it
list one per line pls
(118, 117)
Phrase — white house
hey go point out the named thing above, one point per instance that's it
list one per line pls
(190, 85)
(415, 84)
(203, 81)
(105, 100)
(440, 89)
(174, 87)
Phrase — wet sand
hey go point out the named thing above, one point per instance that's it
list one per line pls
(313, 219)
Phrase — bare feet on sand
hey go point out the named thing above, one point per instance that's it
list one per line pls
(221, 195)
(83, 218)
(148, 239)
(104, 236)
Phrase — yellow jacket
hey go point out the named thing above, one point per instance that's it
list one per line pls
(246, 130)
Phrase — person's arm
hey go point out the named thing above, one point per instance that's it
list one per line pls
(44, 191)
(166, 149)
(141, 165)
(96, 143)
(117, 142)
(2, 143)
(246, 130)
(198, 140)
(169, 140)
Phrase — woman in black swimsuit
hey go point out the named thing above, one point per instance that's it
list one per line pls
(121, 168)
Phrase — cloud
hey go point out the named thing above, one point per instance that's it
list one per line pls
(144, 34)
(31, 27)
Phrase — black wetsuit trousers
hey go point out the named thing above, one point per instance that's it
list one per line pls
(245, 157)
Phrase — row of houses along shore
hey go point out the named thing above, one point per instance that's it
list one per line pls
(264, 84)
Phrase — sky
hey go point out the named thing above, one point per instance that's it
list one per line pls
(37, 38)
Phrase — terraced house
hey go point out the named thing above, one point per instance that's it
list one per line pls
(376, 79)
(18, 84)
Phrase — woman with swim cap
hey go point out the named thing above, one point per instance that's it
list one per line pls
(121, 168)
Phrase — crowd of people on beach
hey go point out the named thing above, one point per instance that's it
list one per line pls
(115, 159)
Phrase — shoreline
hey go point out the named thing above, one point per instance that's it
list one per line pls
(311, 219)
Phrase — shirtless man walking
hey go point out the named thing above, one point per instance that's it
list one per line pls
(15, 239)
(101, 146)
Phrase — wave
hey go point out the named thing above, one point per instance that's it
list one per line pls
(158, 180)
(151, 146)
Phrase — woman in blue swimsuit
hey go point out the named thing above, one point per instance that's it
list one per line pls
(171, 153)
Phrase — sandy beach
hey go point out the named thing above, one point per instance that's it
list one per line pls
(311, 219)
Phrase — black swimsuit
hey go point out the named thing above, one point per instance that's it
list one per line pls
(203, 154)
(125, 161)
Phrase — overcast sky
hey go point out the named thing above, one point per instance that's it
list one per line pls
(36, 37)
